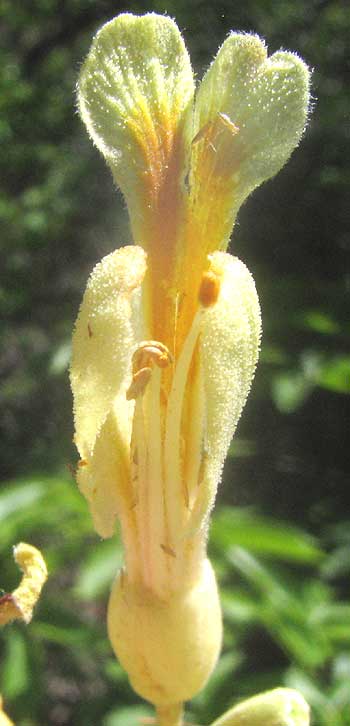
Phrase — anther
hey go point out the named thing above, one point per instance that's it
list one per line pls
(209, 289)
(138, 383)
(151, 351)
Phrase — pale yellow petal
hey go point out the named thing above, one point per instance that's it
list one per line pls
(20, 603)
(108, 324)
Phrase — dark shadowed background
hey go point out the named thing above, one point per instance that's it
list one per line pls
(281, 536)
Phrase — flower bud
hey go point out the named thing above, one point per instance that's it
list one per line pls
(280, 707)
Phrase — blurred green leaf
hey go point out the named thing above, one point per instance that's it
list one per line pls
(337, 563)
(289, 390)
(127, 716)
(20, 496)
(98, 570)
(320, 322)
(241, 448)
(285, 614)
(239, 607)
(60, 358)
(68, 637)
(236, 526)
(335, 374)
(15, 676)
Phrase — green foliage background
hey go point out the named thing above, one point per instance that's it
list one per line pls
(280, 538)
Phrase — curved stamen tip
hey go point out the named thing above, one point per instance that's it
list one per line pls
(151, 352)
(148, 354)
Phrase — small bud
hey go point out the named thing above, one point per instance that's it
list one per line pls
(280, 707)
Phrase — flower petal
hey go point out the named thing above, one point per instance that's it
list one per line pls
(134, 93)
(249, 116)
(108, 324)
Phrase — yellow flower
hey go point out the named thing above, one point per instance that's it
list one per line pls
(167, 337)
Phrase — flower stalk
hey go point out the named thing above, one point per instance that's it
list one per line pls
(167, 338)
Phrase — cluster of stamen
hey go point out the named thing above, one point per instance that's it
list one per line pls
(165, 471)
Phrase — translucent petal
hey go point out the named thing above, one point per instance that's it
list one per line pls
(108, 324)
(249, 116)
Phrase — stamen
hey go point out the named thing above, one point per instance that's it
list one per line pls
(226, 121)
(148, 361)
(194, 439)
(156, 506)
(139, 477)
(174, 488)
